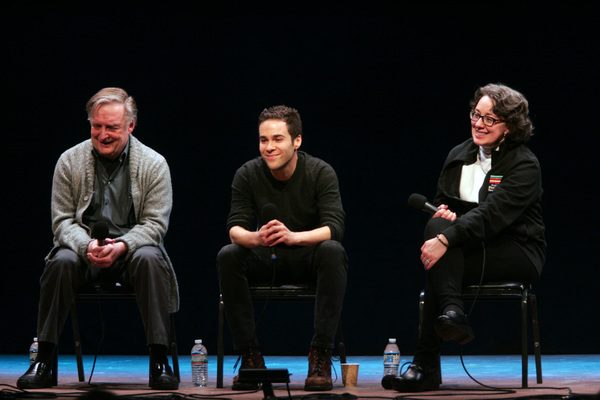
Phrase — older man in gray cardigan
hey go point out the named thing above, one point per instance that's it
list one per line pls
(114, 180)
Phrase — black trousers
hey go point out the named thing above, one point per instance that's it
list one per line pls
(462, 266)
(147, 272)
(325, 265)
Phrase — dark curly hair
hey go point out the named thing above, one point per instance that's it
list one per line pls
(286, 114)
(510, 106)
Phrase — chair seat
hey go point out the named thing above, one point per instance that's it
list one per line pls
(496, 288)
(283, 293)
(105, 293)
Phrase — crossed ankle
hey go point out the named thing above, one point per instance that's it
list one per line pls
(453, 307)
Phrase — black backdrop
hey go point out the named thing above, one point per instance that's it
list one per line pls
(383, 94)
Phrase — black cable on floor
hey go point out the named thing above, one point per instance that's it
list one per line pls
(13, 392)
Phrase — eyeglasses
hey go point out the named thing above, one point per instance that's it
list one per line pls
(487, 120)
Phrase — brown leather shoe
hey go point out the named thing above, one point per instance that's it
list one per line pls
(319, 370)
(251, 359)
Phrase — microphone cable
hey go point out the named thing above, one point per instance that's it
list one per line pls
(102, 330)
(480, 278)
(269, 294)
(269, 212)
(469, 315)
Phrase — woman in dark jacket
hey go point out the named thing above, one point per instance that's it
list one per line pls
(488, 226)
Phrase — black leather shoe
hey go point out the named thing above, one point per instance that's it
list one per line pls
(454, 326)
(163, 378)
(416, 379)
(387, 380)
(38, 376)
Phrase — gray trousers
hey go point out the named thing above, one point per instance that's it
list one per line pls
(147, 272)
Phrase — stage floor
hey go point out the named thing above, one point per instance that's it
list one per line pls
(127, 376)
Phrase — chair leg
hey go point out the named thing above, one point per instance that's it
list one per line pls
(173, 344)
(55, 367)
(341, 346)
(524, 351)
(536, 337)
(150, 364)
(220, 344)
(77, 340)
(421, 307)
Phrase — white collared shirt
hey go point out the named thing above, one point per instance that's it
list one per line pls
(473, 175)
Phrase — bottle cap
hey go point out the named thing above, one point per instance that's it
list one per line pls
(35, 339)
(198, 341)
(392, 340)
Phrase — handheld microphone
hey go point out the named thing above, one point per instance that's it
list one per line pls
(419, 202)
(269, 213)
(100, 232)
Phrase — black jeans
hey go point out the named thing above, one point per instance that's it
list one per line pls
(325, 265)
(462, 266)
(147, 272)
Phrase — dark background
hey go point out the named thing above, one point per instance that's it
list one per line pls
(383, 93)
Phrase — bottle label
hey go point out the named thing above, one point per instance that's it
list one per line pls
(392, 358)
(199, 358)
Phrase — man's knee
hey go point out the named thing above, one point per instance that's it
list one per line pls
(332, 253)
(231, 256)
(63, 261)
(60, 269)
(148, 258)
(147, 252)
(331, 248)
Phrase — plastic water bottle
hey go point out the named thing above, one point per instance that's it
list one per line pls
(199, 364)
(33, 351)
(391, 358)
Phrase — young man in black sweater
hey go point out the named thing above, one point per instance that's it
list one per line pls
(295, 202)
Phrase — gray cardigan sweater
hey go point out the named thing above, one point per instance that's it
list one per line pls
(73, 189)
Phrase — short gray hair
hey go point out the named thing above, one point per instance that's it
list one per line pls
(113, 95)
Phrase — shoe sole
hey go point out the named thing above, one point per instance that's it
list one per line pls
(28, 384)
(318, 388)
(430, 383)
(409, 387)
(450, 332)
(32, 386)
